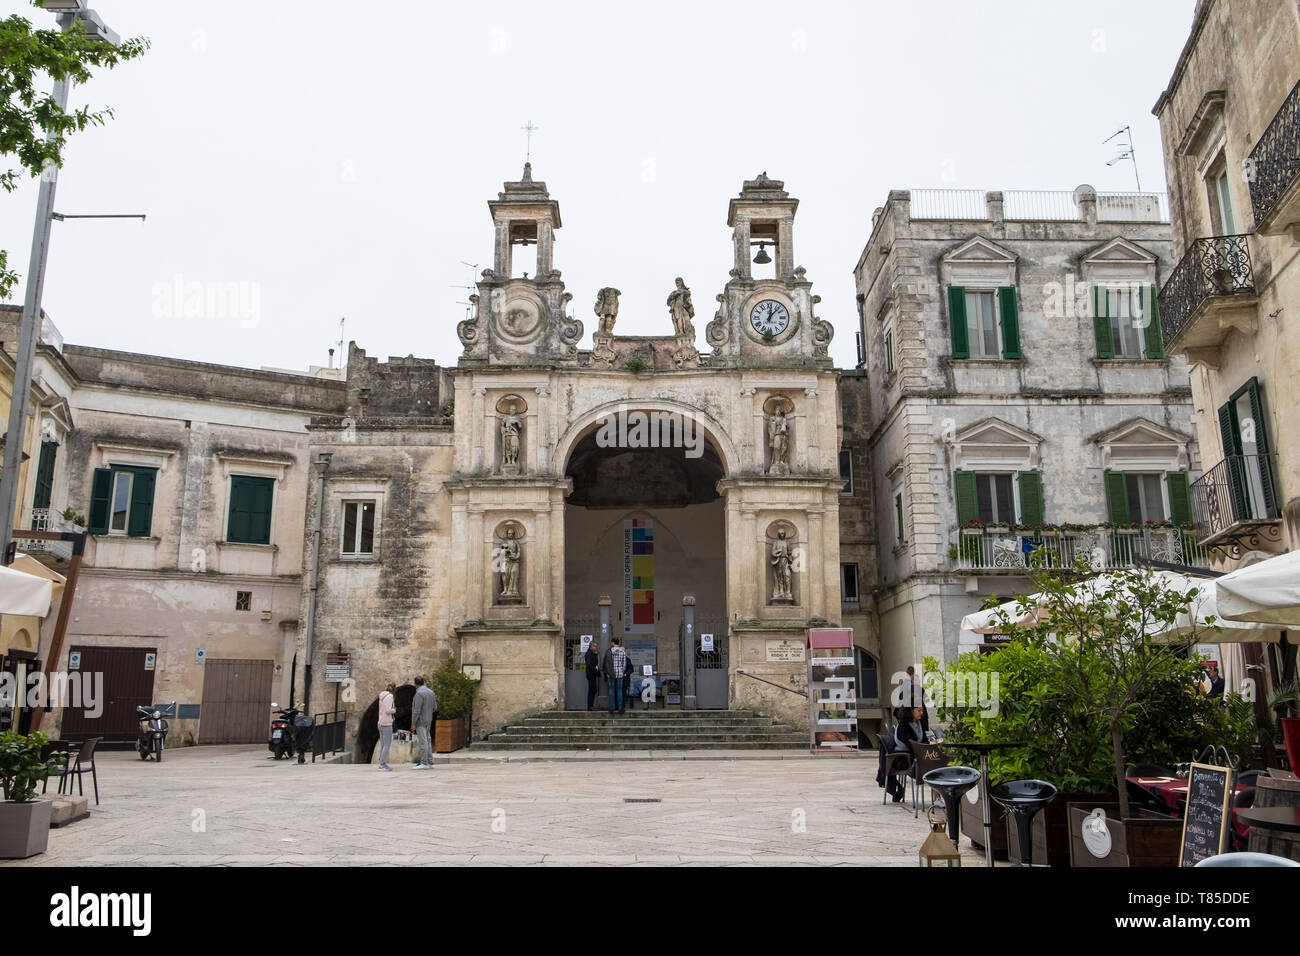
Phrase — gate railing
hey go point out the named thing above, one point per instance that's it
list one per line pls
(327, 733)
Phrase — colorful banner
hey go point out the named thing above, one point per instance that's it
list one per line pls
(638, 576)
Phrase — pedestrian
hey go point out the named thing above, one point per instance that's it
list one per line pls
(1216, 682)
(913, 695)
(909, 728)
(591, 662)
(423, 708)
(627, 681)
(387, 710)
(611, 666)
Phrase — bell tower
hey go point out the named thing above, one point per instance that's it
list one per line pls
(766, 322)
(520, 320)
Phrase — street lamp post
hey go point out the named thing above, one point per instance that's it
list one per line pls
(72, 15)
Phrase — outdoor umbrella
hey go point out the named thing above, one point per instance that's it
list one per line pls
(1268, 592)
(1195, 619)
(24, 594)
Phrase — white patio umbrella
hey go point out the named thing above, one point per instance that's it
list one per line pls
(24, 594)
(1268, 592)
(1195, 619)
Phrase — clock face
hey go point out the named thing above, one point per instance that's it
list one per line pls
(769, 316)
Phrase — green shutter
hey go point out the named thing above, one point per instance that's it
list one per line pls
(250, 510)
(1031, 498)
(957, 319)
(1155, 340)
(1232, 458)
(1117, 498)
(968, 508)
(1010, 321)
(45, 475)
(1262, 448)
(101, 489)
(1101, 323)
(1180, 498)
(140, 521)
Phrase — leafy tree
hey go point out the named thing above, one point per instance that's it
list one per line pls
(1111, 659)
(33, 129)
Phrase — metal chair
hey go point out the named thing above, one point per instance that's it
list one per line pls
(64, 747)
(85, 755)
(927, 757)
(1247, 859)
(953, 782)
(898, 763)
(1023, 799)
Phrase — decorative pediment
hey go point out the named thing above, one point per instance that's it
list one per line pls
(992, 444)
(979, 262)
(1139, 444)
(1119, 249)
(979, 249)
(1206, 127)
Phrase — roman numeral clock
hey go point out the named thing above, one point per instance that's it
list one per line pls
(765, 315)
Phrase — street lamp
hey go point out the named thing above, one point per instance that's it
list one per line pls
(73, 15)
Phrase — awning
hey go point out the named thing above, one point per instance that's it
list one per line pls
(1268, 592)
(26, 563)
(24, 594)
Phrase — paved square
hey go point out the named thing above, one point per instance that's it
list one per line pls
(234, 805)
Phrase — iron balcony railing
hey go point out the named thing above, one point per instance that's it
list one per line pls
(1274, 163)
(40, 522)
(991, 549)
(1213, 267)
(1238, 489)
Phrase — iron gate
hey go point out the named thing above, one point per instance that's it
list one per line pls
(711, 674)
(575, 673)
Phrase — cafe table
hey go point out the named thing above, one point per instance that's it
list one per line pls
(1282, 819)
(983, 749)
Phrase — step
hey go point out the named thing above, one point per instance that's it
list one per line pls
(647, 739)
(638, 711)
(68, 809)
(556, 726)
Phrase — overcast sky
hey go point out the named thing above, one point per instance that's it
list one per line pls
(335, 158)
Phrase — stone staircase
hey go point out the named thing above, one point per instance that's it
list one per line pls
(646, 730)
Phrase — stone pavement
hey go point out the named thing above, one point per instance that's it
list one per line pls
(235, 805)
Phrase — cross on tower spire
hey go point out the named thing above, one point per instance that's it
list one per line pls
(529, 129)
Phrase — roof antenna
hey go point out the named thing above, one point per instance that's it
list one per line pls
(1130, 154)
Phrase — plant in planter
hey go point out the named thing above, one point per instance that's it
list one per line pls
(455, 694)
(1285, 702)
(24, 819)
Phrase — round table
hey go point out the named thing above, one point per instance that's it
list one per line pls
(1272, 818)
(983, 750)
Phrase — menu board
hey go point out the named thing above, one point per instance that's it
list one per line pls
(832, 690)
(1205, 821)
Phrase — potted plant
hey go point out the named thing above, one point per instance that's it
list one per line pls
(24, 819)
(1287, 698)
(455, 693)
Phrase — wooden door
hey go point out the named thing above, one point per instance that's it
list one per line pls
(236, 701)
(125, 686)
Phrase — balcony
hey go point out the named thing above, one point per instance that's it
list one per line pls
(1210, 291)
(1274, 172)
(1004, 551)
(1235, 504)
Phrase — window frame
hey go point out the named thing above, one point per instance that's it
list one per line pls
(998, 344)
(1012, 484)
(230, 504)
(1138, 480)
(355, 555)
(846, 456)
(857, 583)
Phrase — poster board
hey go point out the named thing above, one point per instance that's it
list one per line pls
(832, 690)
(1207, 814)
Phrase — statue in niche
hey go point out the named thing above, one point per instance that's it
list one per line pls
(782, 565)
(508, 557)
(682, 311)
(607, 310)
(510, 427)
(778, 437)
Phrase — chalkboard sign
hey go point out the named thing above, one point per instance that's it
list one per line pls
(1205, 820)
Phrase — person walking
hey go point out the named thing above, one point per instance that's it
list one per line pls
(387, 710)
(423, 708)
(591, 663)
(612, 667)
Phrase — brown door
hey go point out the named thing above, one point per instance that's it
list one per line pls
(125, 686)
(236, 702)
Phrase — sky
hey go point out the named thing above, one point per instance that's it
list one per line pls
(302, 164)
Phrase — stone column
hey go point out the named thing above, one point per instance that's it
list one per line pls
(785, 249)
(741, 236)
(814, 567)
(689, 696)
(479, 565)
(545, 236)
(477, 438)
(501, 250)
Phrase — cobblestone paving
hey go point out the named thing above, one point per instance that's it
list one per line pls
(235, 805)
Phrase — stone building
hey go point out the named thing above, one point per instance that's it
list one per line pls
(539, 491)
(1230, 122)
(1020, 400)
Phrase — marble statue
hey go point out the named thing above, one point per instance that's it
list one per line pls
(607, 309)
(782, 563)
(510, 426)
(510, 554)
(778, 435)
(679, 305)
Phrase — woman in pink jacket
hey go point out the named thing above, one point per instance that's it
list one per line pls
(387, 709)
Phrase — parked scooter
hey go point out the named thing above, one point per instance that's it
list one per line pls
(153, 730)
(290, 731)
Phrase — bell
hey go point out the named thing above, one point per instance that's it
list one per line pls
(762, 258)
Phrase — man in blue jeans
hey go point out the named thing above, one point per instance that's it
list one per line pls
(613, 667)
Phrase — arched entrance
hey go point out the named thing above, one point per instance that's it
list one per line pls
(645, 528)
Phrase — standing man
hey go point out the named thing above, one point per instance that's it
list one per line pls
(423, 707)
(591, 663)
(1216, 682)
(612, 667)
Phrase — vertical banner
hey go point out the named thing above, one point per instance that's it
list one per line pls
(638, 576)
(832, 689)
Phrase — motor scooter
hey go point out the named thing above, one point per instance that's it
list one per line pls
(290, 731)
(153, 730)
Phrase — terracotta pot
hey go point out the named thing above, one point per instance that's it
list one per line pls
(24, 828)
(1291, 738)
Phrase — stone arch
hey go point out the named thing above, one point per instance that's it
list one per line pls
(593, 418)
(368, 729)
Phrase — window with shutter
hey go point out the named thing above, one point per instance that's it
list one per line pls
(250, 509)
(45, 475)
(1116, 498)
(121, 501)
(1031, 497)
(1101, 322)
(1010, 321)
(957, 321)
(1155, 341)
(967, 500)
(101, 486)
(1180, 498)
